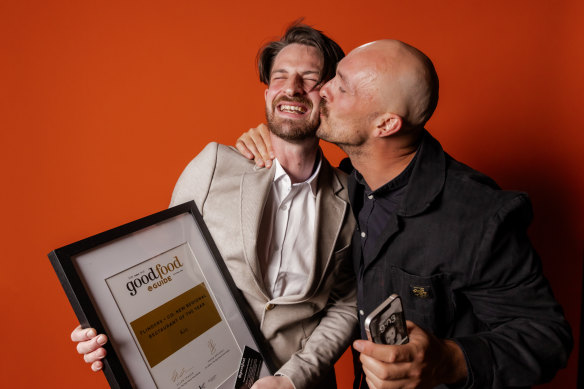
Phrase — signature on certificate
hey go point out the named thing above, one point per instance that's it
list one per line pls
(212, 346)
(178, 374)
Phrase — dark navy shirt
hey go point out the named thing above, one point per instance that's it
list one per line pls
(375, 207)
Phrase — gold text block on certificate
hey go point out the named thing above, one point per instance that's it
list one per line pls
(164, 330)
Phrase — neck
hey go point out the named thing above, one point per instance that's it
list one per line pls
(296, 158)
(384, 159)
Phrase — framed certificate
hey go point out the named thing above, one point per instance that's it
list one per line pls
(160, 290)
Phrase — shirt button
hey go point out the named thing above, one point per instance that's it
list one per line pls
(370, 197)
(283, 207)
(363, 234)
(269, 307)
(361, 312)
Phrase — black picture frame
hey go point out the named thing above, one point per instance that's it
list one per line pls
(88, 312)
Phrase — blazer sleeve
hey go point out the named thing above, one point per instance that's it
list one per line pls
(331, 337)
(528, 338)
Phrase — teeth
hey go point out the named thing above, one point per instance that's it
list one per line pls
(292, 108)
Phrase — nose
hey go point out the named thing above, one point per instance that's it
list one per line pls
(324, 90)
(294, 85)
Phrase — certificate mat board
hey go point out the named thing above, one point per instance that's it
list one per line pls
(160, 290)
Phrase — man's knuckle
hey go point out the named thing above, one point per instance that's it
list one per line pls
(389, 356)
(415, 373)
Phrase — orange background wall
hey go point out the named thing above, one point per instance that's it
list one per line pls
(102, 104)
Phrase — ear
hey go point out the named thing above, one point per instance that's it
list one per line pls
(387, 125)
(266, 94)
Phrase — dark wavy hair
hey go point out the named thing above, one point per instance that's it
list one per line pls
(304, 35)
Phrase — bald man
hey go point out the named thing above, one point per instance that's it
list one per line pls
(443, 236)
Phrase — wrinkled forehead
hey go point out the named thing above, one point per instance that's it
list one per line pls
(358, 70)
(297, 57)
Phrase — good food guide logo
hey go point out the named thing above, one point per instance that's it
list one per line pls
(154, 278)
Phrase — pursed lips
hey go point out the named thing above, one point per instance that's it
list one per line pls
(323, 108)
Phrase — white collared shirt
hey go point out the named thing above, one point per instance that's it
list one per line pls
(287, 231)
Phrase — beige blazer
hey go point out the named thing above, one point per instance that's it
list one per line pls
(307, 332)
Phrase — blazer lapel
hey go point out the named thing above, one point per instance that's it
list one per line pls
(330, 215)
(255, 187)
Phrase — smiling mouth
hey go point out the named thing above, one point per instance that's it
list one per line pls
(292, 105)
(292, 108)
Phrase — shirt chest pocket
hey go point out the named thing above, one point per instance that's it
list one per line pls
(427, 300)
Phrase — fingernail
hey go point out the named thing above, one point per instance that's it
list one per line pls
(358, 345)
(101, 340)
(90, 333)
(268, 163)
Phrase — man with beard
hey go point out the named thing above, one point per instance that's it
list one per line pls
(284, 232)
(443, 236)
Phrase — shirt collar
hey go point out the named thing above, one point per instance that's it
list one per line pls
(311, 181)
(427, 181)
(398, 182)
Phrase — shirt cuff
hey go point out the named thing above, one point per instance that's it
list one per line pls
(284, 375)
(479, 363)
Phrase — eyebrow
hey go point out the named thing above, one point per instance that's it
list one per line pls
(344, 80)
(307, 72)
